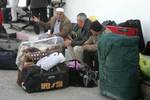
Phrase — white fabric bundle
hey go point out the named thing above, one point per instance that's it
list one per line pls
(50, 61)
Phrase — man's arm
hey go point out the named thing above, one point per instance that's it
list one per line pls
(82, 39)
(90, 47)
(89, 41)
(46, 25)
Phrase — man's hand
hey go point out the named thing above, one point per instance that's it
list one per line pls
(35, 19)
(67, 43)
(50, 35)
(86, 47)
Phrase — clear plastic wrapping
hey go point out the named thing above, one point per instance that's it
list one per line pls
(42, 45)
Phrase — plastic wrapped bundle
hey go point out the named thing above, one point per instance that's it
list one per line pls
(41, 65)
(37, 49)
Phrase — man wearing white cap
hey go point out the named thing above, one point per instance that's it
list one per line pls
(59, 24)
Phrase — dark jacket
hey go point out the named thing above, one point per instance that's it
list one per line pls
(65, 26)
(37, 3)
(83, 36)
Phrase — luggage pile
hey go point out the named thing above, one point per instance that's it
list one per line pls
(41, 65)
(131, 29)
(8, 51)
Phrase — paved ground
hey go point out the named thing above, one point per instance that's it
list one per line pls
(11, 91)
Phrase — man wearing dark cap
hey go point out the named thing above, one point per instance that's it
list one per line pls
(90, 55)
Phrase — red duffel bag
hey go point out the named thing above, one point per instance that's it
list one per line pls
(129, 31)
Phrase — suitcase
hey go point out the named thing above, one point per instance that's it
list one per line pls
(8, 51)
(135, 24)
(123, 30)
(35, 79)
(8, 59)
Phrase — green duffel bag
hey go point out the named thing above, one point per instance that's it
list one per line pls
(118, 66)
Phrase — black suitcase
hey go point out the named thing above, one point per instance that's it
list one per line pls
(135, 24)
(8, 51)
(35, 79)
(8, 59)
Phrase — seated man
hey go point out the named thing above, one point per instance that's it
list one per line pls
(79, 34)
(90, 55)
(59, 24)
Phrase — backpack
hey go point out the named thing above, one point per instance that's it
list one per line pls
(81, 74)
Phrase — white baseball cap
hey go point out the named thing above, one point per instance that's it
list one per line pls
(59, 10)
